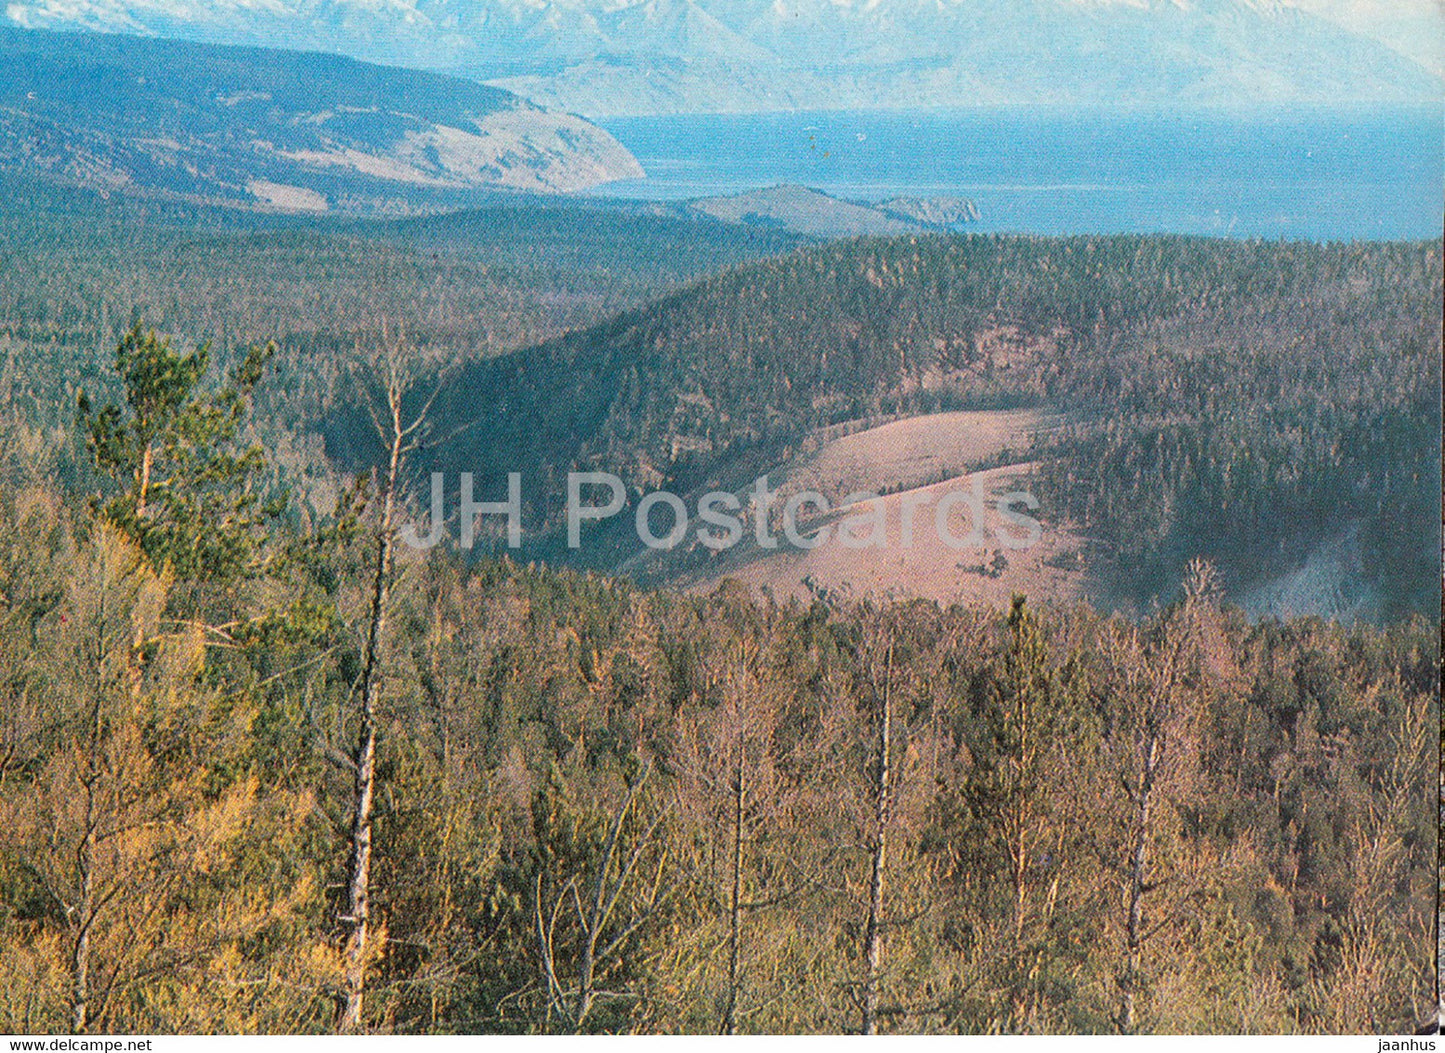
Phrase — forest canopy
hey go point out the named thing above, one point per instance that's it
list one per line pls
(264, 770)
(787, 817)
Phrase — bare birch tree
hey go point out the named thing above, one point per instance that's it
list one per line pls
(401, 433)
(586, 918)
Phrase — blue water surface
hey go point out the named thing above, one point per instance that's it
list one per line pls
(1300, 173)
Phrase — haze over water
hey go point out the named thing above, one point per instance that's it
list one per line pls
(1365, 174)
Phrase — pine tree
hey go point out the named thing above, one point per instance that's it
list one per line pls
(188, 495)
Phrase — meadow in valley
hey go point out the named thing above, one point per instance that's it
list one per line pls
(265, 768)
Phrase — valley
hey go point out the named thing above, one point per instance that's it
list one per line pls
(461, 576)
(943, 570)
(910, 464)
(1131, 384)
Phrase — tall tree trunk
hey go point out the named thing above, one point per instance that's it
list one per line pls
(84, 909)
(358, 886)
(1020, 848)
(873, 940)
(1022, 809)
(1159, 712)
(144, 489)
(1138, 872)
(730, 1020)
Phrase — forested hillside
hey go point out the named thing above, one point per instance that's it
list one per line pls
(285, 129)
(264, 768)
(1247, 402)
(463, 286)
(1241, 401)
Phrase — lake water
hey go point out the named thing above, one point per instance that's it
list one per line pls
(1306, 174)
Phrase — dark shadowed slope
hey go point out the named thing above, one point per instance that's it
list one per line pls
(1240, 401)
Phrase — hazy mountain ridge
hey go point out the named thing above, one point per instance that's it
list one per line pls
(813, 213)
(286, 129)
(667, 56)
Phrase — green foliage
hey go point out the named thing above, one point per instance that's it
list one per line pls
(1241, 401)
(1294, 841)
(564, 746)
(187, 499)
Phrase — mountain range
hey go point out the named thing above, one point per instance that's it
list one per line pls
(284, 129)
(627, 57)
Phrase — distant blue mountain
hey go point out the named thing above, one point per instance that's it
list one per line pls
(613, 57)
(279, 128)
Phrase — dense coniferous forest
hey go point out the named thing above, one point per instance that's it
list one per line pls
(1243, 401)
(177, 790)
(1240, 401)
(465, 286)
(263, 769)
